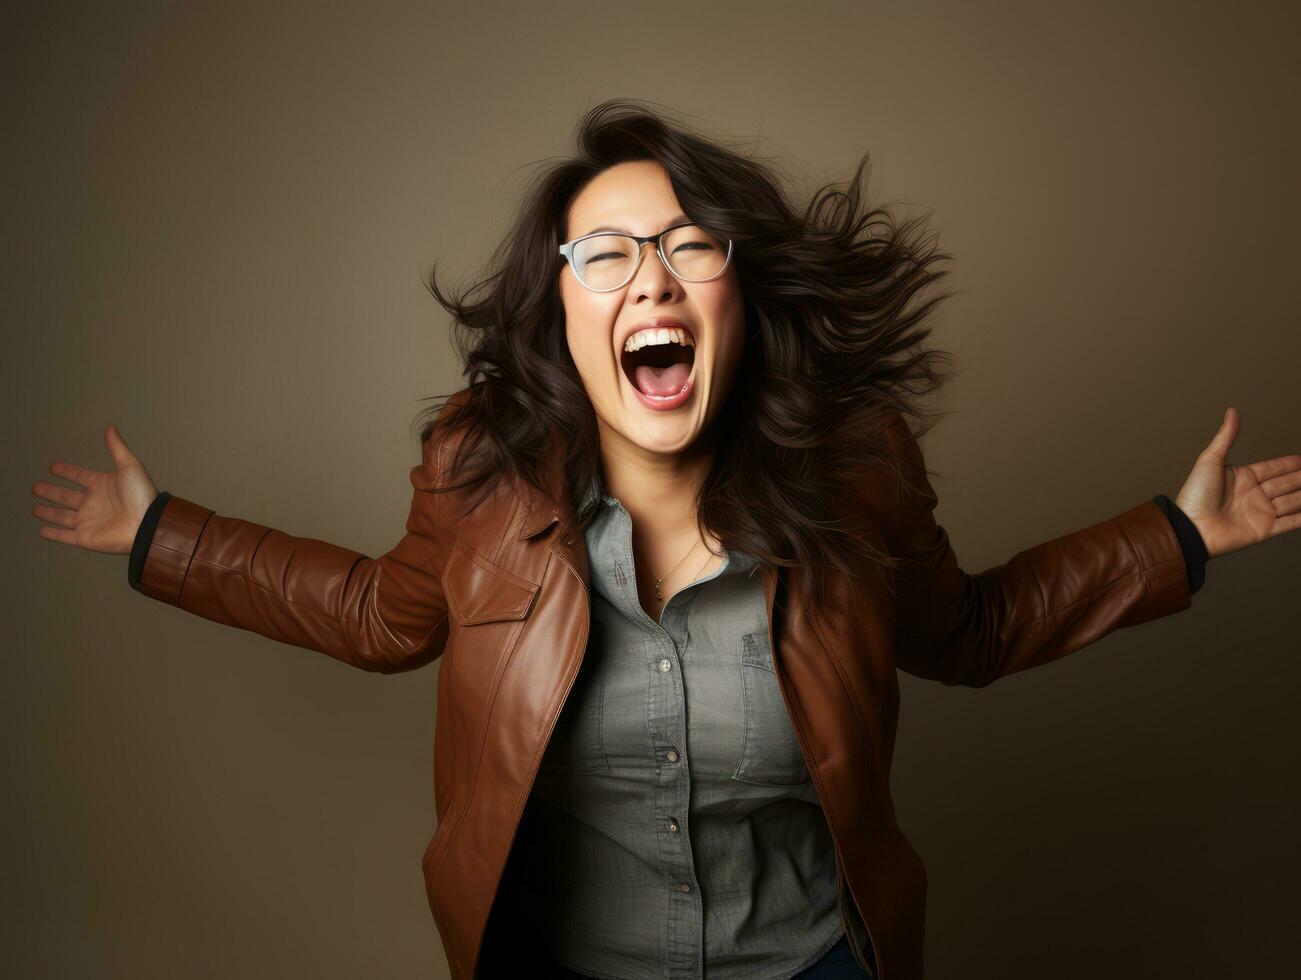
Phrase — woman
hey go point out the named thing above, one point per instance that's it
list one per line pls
(672, 544)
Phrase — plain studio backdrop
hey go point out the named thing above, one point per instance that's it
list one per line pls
(217, 219)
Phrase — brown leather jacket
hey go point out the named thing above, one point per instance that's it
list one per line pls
(504, 601)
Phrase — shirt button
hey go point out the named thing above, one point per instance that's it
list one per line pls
(671, 755)
(673, 824)
(666, 665)
(685, 887)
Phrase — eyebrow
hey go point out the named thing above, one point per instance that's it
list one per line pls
(624, 231)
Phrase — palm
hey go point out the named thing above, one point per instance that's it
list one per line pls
(111, 499)
(1235, 506)
(106, 513)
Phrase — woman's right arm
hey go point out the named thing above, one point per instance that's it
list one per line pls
(383, 614)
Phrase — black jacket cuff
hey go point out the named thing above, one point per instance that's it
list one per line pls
(144, 537)
(1190, 540)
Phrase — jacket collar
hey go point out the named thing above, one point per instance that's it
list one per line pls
(541, 515)
(545, 509)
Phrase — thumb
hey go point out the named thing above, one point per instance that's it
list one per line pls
(118, 449)
(1219, 446)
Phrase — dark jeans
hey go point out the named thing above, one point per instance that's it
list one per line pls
(837, 963)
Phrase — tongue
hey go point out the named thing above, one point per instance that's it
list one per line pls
(662, 381)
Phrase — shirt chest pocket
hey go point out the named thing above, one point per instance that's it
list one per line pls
(770, 752)
(577, 745)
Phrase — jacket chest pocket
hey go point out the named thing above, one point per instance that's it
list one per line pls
(770, 752)
(488, 606)
(577, 745)
(481, 591)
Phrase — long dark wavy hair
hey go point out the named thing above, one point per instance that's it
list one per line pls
(832, 347)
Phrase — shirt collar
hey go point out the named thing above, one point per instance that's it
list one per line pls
(590, 496)
(737, 560)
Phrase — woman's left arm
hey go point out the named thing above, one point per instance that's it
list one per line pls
(1064, 594)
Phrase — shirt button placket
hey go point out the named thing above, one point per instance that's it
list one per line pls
(685, 928)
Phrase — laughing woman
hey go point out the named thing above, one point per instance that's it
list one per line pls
(672, 542)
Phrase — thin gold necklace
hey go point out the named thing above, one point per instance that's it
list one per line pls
(659, 581)
(708, 559)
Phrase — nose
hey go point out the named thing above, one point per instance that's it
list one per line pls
(652, 277)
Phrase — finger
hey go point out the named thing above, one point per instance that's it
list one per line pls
(1284, 524)
(1228, 431)
(56, 515)
(55, 534)
(1287, 503)
(1282, 469)
(73, 473)
(60, 495)
(118, 449)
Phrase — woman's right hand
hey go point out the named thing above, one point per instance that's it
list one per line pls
(105, 515)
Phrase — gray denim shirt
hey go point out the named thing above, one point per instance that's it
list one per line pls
(683, 836)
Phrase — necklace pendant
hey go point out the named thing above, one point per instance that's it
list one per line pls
(657, 590)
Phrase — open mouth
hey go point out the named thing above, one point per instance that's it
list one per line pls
(658, 370)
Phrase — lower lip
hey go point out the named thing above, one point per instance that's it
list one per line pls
(669, 402)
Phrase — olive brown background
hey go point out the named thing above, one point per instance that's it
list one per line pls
(217, 219)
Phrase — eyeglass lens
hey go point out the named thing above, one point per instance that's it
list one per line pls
(607, 261)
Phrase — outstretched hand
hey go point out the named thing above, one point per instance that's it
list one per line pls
(1234, 506)
(106, 514)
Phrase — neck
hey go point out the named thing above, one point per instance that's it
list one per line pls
(658, 489)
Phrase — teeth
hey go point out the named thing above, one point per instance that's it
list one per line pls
(663, 335)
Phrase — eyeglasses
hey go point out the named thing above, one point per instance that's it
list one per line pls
(604, 261)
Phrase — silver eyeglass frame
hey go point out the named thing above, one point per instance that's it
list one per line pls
(567, 250)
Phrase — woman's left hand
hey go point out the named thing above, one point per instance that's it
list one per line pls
(1234, 506)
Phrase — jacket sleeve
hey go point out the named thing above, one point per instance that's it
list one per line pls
(383, 614)
(1041, 604)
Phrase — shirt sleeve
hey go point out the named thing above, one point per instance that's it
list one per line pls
(145, 535)
(1190, 540)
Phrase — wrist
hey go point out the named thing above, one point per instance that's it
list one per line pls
(1191, 541)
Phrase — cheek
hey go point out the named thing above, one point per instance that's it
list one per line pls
(588, 329)
(722, 305)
